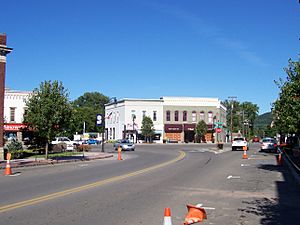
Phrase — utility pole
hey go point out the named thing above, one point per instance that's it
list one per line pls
(4, 50)
(232, 100)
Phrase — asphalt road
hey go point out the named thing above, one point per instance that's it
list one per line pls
(137, 189)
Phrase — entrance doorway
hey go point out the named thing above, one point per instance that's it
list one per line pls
(189, 136)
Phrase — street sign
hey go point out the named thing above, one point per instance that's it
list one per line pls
(218, 130)
(99, 120)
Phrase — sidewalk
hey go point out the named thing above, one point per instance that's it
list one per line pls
(42, 161)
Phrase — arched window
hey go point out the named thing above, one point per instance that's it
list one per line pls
(168, 116)
(176, 115)
(184, 116)
(210, 117)
(194, 116)
(202, 116)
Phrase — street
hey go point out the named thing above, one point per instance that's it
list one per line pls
(137, 189)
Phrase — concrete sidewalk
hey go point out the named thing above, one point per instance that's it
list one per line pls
(42, 161)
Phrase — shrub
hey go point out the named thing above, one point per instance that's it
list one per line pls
(84, 148)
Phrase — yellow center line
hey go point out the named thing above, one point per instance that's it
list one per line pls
(44, 198)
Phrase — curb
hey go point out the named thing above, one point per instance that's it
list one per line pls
(52, 161)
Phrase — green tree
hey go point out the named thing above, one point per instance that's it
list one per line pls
(243, 116)
(85, 109)
(48, 111)
(147, 128)
(200, 131)
(286, 109)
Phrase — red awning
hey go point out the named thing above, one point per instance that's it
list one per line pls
(14, 126)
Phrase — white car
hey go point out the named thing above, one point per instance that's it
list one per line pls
(239, 143)
(70, 144)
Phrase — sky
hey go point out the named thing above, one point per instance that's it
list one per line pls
(153, 48)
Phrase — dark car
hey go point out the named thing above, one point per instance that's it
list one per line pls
(125, 144)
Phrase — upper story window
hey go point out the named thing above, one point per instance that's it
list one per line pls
(12, 114)
(144, 114)
(176, 115)
(168, 116)
(184, 116)
(194, 116)
(202, 116)
(154, 115)
(210, 117)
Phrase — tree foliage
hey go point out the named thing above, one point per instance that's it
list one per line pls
(48, 110)
(243, 116)
(85, 109)
(147, 128)
(200, 130)
(286, 109)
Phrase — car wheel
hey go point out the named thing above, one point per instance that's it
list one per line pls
(233, 148)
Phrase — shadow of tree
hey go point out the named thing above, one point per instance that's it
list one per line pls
(283, 210)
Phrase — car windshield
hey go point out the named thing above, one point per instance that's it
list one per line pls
(125, 141)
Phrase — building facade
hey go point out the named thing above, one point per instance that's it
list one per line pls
(123, 119)
(174, 118)
(14, 110)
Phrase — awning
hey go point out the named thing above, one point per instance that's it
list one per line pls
(173, 128)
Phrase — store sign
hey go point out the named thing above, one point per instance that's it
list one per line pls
(14, 126)
(173, 128)
(189, 127)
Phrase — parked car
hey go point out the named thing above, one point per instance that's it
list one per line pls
(93, 142)
(269, 145)
(239, 143)
(70, 144)
(125, 144)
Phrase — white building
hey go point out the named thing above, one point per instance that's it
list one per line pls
(14, 109)
(123, 119)
(174, 118)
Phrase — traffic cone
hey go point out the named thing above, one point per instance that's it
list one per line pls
(119, 153)
(195, 214)
(279, 160)
(245, 156)
(167, 217)
(7, 171)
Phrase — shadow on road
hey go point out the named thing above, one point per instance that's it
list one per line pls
(283, 210)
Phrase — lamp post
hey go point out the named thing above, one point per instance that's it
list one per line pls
(232, 98)
(101, 121)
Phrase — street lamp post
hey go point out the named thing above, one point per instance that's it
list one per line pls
(101, 121)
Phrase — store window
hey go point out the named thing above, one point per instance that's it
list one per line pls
(168, 116)
(194, 116)
(184, 116)
(176, 115)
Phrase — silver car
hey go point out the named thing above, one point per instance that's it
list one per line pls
(269, 145)
(125, 144)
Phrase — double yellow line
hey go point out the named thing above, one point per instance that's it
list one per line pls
(44, 198)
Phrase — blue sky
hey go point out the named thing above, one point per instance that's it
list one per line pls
(153, 48)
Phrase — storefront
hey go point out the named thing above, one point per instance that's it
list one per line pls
(173, 132)
(17, 131)
(189, 132)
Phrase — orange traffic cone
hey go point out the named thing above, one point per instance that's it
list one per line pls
(279, 160)
(245, 156)
(195, 214)
(167, 217)
(119, 153)
(7, 171)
